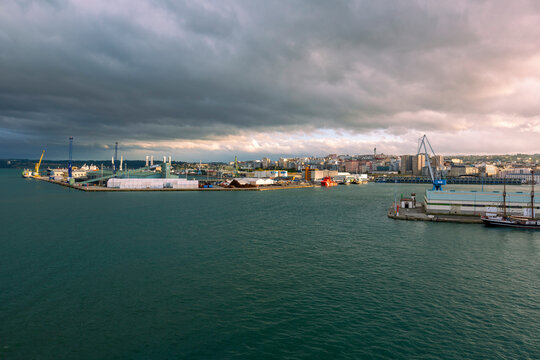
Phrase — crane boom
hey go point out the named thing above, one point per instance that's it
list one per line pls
(38, 164)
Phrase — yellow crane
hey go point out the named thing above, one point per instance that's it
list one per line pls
(36, 170)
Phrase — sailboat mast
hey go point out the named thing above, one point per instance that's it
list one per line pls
(532, 194)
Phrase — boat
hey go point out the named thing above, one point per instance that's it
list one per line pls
(27, 173)
(521, 222)
(328, 182)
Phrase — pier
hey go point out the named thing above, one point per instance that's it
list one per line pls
(419, 214)
(95, 188)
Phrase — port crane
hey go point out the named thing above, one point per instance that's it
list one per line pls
(435, 178)
(38, 164)
(70, 165)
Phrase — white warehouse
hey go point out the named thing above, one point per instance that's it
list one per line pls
(152, 184)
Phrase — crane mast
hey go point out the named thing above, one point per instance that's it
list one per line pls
(70, 165)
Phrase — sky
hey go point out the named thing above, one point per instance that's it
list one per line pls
(213, 79)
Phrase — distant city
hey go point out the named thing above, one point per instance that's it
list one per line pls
(517, 166)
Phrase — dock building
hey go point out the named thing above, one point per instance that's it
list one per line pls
(318, 175)
(163, 183)
(454, 202)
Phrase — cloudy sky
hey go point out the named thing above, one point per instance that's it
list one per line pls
(211, 79)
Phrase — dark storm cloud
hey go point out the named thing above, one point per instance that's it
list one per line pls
(166, 70)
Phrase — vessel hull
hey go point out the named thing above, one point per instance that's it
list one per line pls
(510, 224)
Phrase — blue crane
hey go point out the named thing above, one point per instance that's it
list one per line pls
(70, 166)
(435, 178)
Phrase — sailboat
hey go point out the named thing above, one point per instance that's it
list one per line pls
(522, 222)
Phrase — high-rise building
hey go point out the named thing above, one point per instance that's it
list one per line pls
(437, 161)
(406, 164)
(418, 162)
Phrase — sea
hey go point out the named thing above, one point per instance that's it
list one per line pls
(317, 273)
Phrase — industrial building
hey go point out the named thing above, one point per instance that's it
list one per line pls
(255, 181)
(142, 183)
(270, 173)
(318, 175)
(455, 202)
(463, 170)
(63, 173)
(523, 174)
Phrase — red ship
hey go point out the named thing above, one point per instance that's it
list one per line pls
(327, 182)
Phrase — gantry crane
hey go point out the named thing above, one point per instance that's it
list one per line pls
(435, 178)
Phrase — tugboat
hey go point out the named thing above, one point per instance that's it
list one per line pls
(521, 222)
(328, 182)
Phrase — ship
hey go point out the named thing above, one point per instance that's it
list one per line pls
(521, 222)
(27, 173)
(328, 182)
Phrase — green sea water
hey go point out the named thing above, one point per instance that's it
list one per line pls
(297, 274)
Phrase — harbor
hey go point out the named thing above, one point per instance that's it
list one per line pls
(96, 188)
(245, 180)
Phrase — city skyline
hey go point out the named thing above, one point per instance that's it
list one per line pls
(212, 80)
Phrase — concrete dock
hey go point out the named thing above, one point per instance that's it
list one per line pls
(419, 214)
(102, 188)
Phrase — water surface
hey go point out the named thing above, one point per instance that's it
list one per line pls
(307, 273)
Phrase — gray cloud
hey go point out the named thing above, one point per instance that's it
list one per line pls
(180, 70)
